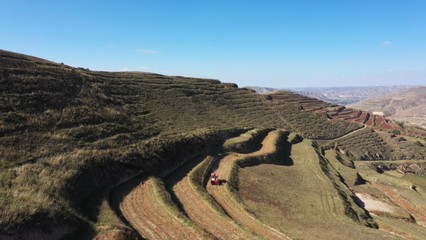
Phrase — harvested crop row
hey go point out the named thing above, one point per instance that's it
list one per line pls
(227, 200)
(203, 211)
(246, 141)
(148, 211)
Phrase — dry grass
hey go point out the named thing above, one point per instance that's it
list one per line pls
(299, 199)
(246, 142)
(58, 147)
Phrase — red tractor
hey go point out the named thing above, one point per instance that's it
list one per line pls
(214, 179)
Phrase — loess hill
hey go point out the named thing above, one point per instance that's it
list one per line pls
(75, 146)
(66, 133)
(408, 106)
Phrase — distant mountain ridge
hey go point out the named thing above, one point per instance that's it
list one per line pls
(340, 95)
(407, 106)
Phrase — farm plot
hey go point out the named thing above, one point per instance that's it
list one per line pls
(299, 199)
(184, 209)
(405, 202)
(224, 196)
(362, 118)
(370, 121)
(395, 207)
(267, 201)
(152, 215)
(201, 208)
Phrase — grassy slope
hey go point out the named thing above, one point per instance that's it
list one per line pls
(66, 133)
(398, 221)
(299, 199)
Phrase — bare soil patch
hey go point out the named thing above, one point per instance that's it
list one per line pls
(374, 205)
(418, 213)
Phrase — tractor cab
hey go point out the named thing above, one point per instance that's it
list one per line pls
(214, 179)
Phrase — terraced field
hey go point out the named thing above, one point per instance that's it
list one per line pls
(337, 112)
(367, 144)
(59, 148)
(224, 194)
(203, 211)
(259, 196)
(300, 199)
(67, 157)
(201, 204)
(150, 214)
(388, 196)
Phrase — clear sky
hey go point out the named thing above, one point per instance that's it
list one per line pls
(281, 44)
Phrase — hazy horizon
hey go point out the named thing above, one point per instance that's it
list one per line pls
(371, 86)
(278, 44)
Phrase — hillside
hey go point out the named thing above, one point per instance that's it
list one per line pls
(406, 106)
(128, 155)
(69, 134)
(377, 140)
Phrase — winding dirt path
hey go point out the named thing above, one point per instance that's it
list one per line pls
(229, 203)
(146, 211)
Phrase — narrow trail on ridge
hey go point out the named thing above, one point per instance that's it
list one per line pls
(223, 195)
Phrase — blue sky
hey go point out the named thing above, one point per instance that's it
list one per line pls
(279, 44)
